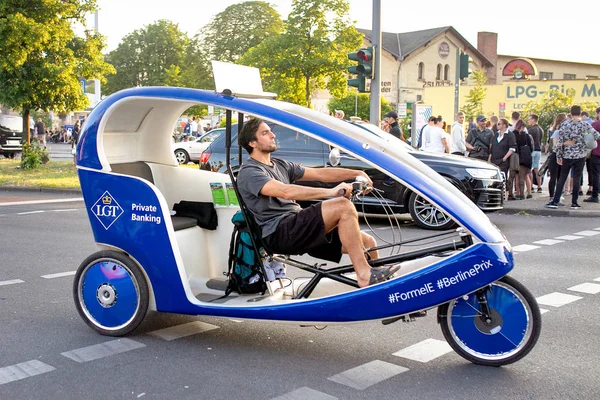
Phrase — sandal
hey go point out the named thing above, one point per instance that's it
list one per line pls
(382, 274)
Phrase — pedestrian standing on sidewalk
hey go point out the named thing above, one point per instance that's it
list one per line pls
(503, 146)
(524, 149)
(570, 154)
(392, 119)
(41, 132)
(553, 167)
(537, 133)
(595, 163)
(479, 140)
(457, 144)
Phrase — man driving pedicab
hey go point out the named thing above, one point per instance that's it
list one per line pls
(324, 230)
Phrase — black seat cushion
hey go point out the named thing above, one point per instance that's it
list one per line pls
(204, 213)
(136, 168)
(183, 222)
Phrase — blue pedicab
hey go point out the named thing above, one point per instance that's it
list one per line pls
(151, 259)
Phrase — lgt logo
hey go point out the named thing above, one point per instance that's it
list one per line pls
(107, 210)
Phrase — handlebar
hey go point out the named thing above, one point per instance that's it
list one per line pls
(359, 186)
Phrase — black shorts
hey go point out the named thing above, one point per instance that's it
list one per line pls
(304, 232)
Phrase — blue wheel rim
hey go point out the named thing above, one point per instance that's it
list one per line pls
(506, 336)
(109, 294)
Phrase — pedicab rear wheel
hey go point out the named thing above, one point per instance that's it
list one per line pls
(110, 293)
(508, 334)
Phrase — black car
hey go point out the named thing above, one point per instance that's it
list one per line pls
(481, 182)
(11, 135)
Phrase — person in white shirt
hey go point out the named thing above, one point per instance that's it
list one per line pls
(457, 144)
(439, 140)
(424, 138)
(194, 126)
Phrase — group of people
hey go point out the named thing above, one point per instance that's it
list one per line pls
(193, 128)
(42, 135)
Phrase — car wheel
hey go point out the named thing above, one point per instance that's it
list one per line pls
(182, 156)
(428, 216)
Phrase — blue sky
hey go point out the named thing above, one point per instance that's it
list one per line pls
(533, 29)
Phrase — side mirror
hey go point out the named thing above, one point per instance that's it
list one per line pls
(334, 157)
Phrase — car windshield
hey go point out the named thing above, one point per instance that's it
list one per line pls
(211, 136)
(9, 123)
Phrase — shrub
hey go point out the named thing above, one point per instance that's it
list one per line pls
(33, 156)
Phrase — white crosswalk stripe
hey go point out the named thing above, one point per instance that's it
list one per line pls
(305, 393)
(183, 330)
(23, 370)
(58, 275)
(569, 237)
(525, 247)
(587, 233)
(368, 374)
(557, 299)
(591, 288)
(425, 351)
(543, 311)
(102, 350)
(10, 282)
(549, 242)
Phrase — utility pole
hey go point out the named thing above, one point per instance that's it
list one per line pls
(375, 110)
(457, 82)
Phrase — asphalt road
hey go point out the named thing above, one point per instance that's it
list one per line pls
(44, 342)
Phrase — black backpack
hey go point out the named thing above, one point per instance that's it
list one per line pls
(245, 267)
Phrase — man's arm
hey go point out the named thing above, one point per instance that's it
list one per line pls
(469, 141)
(332, 174)
(274, 188)
(446, 144)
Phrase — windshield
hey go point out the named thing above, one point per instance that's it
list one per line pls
(10, 123)
(211, 136)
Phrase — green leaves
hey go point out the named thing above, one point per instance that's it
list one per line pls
(474, 103)
(359, 102)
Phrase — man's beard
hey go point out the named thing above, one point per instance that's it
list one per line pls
(271, 148)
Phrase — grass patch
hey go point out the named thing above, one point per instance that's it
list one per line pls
(54, 175)
(523, 212)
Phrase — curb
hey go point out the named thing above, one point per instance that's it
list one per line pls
(39, 190)
(552, 213)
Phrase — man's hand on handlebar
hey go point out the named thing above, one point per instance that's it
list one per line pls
(342, 190)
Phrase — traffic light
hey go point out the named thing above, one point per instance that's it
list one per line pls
(363, 70)
(464, 66)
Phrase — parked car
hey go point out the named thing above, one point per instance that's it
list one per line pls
(480, 181)
(11, 135)
(190, 150)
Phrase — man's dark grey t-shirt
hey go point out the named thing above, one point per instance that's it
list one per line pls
(267, 211)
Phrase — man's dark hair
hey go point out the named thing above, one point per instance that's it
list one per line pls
(575, 110)
(597, 110)
(432, 119)
(585, 114)
(248, 133)
(534, 117)
(515, 115)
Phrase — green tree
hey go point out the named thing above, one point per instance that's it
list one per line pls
(151, 56)
(359, 101)
(240, 27)
(312, 52)
(474, 104)
(42, 59)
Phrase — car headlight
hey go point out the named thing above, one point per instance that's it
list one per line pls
(481, 173)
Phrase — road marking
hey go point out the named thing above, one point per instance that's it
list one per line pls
(591, 288)
(525, 247)
(102, 350)
(59, 275)
(425, 351)
(31, 212)
(587, 233)
(568, 237)
(11, 282)
(23, 370)
(66, 209)
(557, 299)
(597, 229)
(549, 242)
(183, 330)
(368, 374)
(18, 203)
(543, 311)
(304, 393)
(597, 279)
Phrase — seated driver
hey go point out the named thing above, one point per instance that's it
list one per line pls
(324, 230)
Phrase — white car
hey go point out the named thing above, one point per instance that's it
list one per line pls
(191, 150)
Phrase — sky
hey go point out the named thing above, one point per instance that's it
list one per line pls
(532, 28)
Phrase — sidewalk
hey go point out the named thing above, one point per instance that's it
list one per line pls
(536, 206)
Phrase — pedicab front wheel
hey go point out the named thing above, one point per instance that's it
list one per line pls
(504, 334)
(110, 293)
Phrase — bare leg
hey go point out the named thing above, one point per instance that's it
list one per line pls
(341, 212)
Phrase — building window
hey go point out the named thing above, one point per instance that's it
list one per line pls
(421, 68)
(591, 77)
(545, 76)
(438, 74)
(569, 76)
(446, 72)
(419, 98)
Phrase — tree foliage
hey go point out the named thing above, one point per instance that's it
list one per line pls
(311, 54)
(357, 101)
(240, 27)
(474, 104)
(42, 59)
